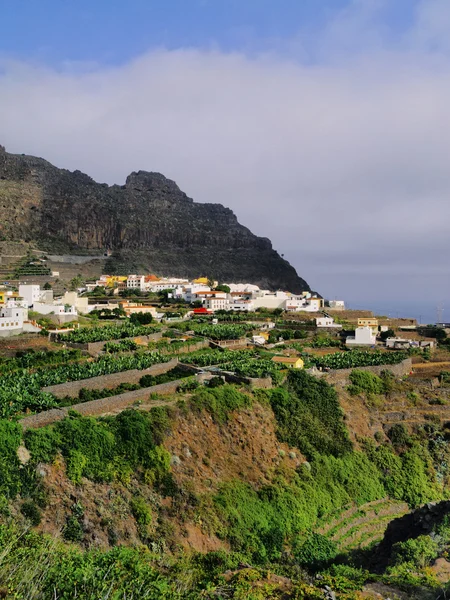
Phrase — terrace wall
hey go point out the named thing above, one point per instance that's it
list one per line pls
(95, 408)
(341, 377)
(72, 388)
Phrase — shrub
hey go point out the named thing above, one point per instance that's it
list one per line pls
(365, 382)
(42, 443)
(419, 551)
(399, 436)
(221, 401)
(309, 416)
(31, 512)
(73, 531)
(142, 515)
(316, 551)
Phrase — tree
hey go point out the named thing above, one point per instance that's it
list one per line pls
(76, 282)
(47, 286)
(384, 335)
(141, 318)
(223, 288)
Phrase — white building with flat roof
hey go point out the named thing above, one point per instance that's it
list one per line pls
(12, 317)
(363, 337)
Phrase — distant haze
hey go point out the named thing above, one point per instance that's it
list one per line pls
(337, 148)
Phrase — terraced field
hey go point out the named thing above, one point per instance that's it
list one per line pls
(361, 526)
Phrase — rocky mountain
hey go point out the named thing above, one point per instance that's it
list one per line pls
(148, 224)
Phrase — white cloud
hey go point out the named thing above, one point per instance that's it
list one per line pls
(342, 164)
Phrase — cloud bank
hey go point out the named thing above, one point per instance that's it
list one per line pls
(341, 160)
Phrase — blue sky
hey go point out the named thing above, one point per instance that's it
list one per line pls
(114, 31)
(323, 124)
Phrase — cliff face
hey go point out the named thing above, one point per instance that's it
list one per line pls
(148, 224)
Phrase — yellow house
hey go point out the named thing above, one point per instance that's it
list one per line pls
(202, 280)
(369, 322)
(5, 295)
(290, 362)
(111, 280)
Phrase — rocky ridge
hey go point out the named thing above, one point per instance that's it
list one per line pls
(148, 224)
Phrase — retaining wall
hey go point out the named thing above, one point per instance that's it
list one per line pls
(96, 408)
(72, 388)
(342, 376)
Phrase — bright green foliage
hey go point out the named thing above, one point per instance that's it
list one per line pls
(207, 357)
(220, 401)
(106, 449)
(21, 390)
(32, 359)
(365, 382)
(417, 487)
(158, 464)
(408, 477)
(309, 415)
(38, 567)
(142, 515)
(258, 523)
(357, 358)
(88, 446)
(43, 443)
(10, 439)
(316, 551)
(419, 551)
(221, 332)
(122, 346)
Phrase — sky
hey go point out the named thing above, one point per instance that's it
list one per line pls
(325, 126)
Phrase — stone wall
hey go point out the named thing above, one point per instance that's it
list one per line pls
(341, 377)
(95, 408)
(72, 388)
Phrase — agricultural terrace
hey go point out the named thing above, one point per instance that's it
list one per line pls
(87, 335)
(221, 332)
(353, 359)
(20, 391)
(31, 359)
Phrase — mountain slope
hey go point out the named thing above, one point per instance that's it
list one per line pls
(148, 224)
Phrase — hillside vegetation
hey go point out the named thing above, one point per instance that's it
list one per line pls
(225, 494)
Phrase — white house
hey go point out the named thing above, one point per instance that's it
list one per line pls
(135, 282)
(327, 322)
(81, 304)
(241, 305)
(12, 317)
(363, 337)
(30, 293)
(337, 304)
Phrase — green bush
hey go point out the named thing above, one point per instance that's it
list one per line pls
(364, 382)
(399, 436)
(309, 416)
(73, 531)
(221, 401)
(316, 551)
(142, 515)
(42, 443)
(10, 439)
(31, 512)
(419, 551)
